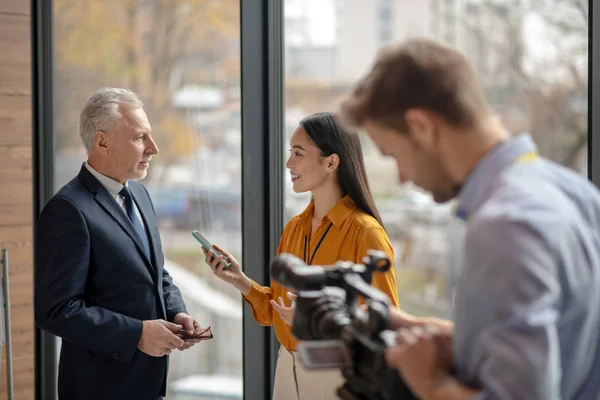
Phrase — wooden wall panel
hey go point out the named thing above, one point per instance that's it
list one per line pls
(14, 7)
(15, 120)
(16, 211)
(15, 63)
(21, 319)
(23, 377)
(18, 240)
(15, 185)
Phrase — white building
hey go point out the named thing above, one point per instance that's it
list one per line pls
(364, 26)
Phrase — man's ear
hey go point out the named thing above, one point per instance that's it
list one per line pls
(333, 162)
(100, 141)
(421, 127)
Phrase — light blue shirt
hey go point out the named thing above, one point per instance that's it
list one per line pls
(527, 295)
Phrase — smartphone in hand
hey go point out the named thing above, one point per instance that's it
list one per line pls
(206, 245)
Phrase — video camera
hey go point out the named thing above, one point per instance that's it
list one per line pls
(335, 332)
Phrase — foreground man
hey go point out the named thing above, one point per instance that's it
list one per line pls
(527, 298)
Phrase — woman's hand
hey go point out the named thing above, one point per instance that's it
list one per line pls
(286, 313)
(232, 274)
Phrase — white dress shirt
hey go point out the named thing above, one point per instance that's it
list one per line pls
(114, 188)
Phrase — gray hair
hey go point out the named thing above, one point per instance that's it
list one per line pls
(102, 112)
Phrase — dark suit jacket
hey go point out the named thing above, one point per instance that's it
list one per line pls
(94, 286)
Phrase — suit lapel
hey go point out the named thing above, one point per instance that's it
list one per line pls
(109, 204)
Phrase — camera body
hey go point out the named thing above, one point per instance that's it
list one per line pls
(336, 332)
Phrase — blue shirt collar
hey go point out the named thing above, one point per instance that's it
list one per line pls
(475, 190)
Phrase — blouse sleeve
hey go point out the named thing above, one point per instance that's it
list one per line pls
(259, 298)
(376, 239)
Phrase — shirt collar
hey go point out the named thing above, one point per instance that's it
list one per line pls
(109, 184)
(341, 211)
(475, 190)
(337, 215)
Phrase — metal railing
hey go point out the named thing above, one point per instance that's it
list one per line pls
(6, 336)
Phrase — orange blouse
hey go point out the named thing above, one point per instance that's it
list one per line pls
(351, 234)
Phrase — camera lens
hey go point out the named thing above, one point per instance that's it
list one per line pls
(329, 317)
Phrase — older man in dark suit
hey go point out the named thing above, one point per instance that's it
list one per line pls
(100, 283)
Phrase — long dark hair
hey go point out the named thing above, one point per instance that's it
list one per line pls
(331, 138)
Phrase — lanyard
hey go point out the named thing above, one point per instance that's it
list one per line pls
(527, 157)
(309, 262)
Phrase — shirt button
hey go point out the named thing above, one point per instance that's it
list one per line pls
(117, 354)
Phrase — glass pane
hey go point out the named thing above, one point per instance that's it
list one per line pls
(531, 57)
(182, 59)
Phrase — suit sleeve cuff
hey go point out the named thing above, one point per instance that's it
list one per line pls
(171, 314)
(126, 348)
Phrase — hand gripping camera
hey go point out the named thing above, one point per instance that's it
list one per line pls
(335, 332)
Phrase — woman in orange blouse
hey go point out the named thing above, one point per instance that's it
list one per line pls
(340, 223)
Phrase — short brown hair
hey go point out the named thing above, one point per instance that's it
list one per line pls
(418, 73)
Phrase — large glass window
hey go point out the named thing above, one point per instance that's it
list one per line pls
(182, 58)
(531, 57)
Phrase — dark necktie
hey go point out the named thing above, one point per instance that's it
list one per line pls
(137, 224)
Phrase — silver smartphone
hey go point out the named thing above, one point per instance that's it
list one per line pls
(208, 246)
